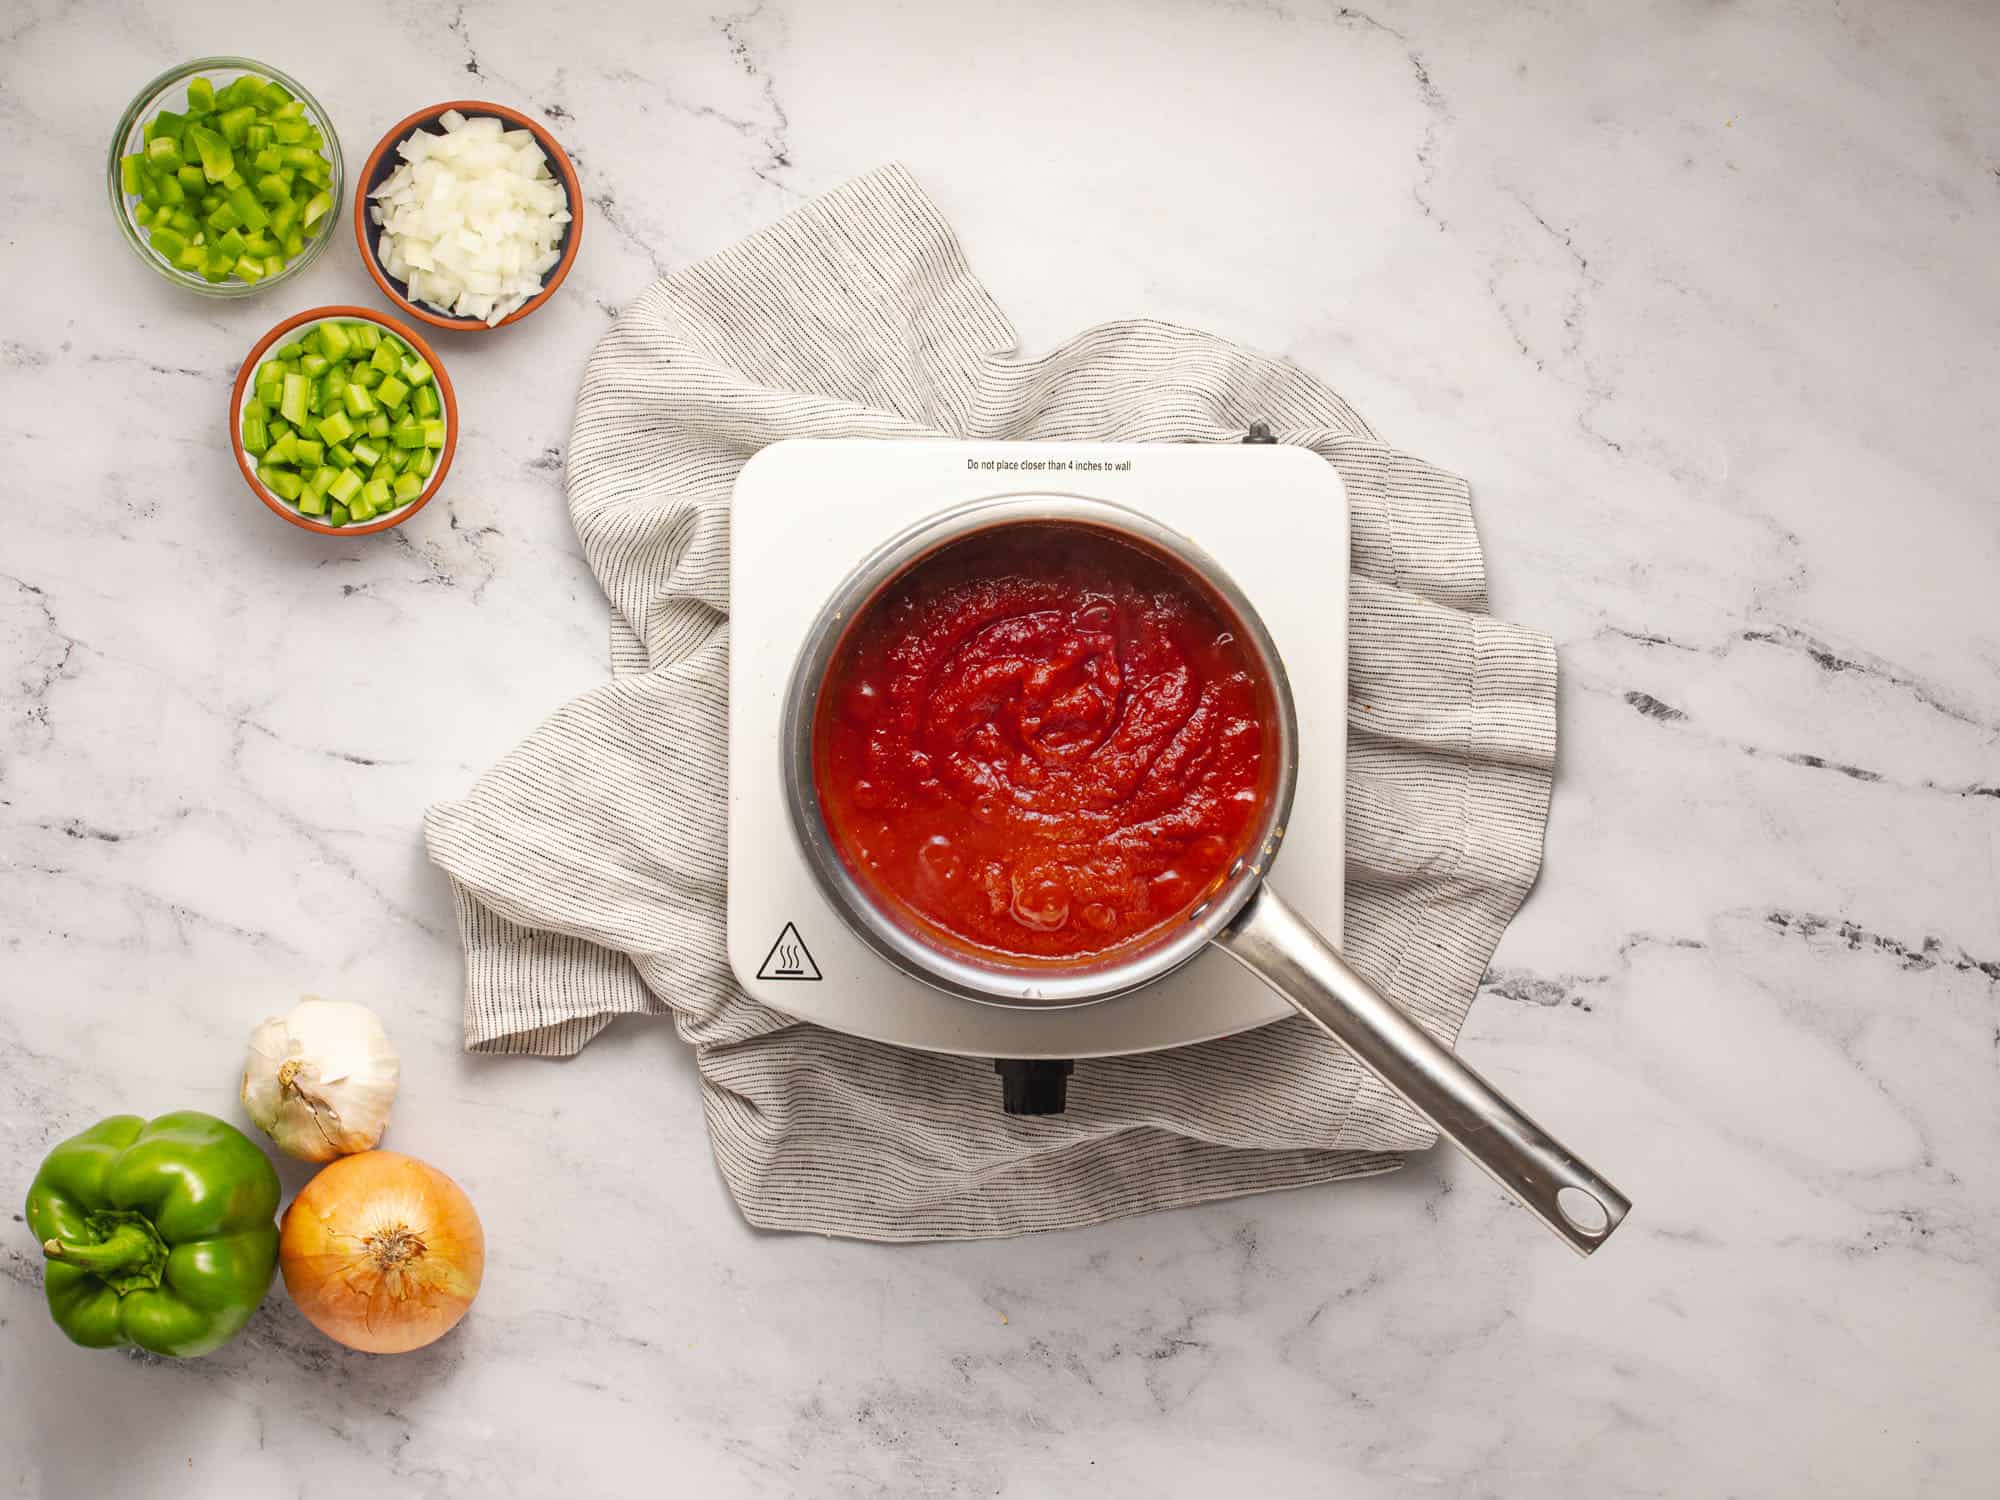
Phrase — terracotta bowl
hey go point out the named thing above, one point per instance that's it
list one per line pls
(281, 334)
(383, 160)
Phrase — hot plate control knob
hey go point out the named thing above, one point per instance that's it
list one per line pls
(1034, 1086)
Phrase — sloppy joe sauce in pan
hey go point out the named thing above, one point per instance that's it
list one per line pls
(1041, 743)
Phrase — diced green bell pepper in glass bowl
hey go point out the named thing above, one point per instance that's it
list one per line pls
(225, 175)
(343, 421)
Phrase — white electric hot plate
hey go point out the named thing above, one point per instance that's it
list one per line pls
(807, 512)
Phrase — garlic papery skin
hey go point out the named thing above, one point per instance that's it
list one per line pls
(320, 1081)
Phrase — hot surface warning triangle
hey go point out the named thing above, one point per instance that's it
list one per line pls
(788, 958)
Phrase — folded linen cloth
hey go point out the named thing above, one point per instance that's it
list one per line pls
(589, 865)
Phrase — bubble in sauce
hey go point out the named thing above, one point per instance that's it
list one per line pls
(939, 864)
(863, 702)
(1041, 901)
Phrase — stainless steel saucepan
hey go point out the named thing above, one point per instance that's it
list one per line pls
(1244, 916)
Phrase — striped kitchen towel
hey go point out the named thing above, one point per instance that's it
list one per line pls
(589, 865)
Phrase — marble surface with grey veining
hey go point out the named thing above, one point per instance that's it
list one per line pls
(1701, 297)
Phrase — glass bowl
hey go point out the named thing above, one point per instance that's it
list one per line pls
(169, 90)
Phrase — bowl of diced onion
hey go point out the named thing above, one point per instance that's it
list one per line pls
(343, 421)
(225, 175)
(468, 215)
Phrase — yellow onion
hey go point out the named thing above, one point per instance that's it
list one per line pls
(382, 1252)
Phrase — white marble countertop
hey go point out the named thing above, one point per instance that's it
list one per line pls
(1700, 298)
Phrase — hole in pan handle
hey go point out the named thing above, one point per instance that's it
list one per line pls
(1277, 945)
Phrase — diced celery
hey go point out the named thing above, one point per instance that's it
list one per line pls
(434, 432)
(367, 337)
(284, 449)
(333, 340)
(427, 402)
(313, 364)
(392, 392)
(384, 359)
(365, 452)
(323, 478)
(378, 425)
(293, 403)
(311, 502)
(366, 376)
(270, 392)
(416, 371)
(335, 428)
(345, 486)
(376, 493)
(426, 461)
(340, 456)
(255, 438)
(287, 484)
(288, 351)
(407, 488)
(407, 435)
(337, 516)
(359, 402)
(310, 450)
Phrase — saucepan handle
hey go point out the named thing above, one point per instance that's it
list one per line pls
(1277, 945)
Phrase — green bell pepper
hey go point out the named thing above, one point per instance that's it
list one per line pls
(158, 1233)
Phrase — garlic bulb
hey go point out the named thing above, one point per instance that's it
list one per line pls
(320, 1081)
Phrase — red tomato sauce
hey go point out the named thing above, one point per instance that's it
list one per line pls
(1041, 742)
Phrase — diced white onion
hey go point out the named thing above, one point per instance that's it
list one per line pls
(471, 219)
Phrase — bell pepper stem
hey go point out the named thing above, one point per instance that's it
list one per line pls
(127, 1248)
(127, 1255)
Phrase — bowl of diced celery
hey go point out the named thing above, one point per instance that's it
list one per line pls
(226, 176)
(343, 421)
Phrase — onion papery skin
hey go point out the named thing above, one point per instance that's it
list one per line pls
(382, 1252)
